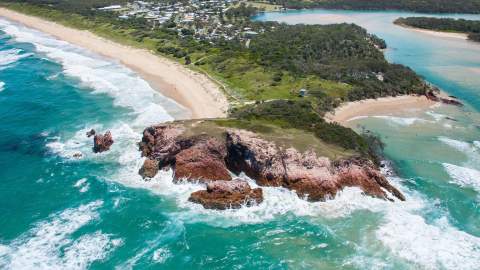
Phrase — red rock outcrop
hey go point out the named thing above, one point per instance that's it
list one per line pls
(312, 177)
(149, 168)
(197, 158)
(223, 195)
(206, 158)
(102, 143)
(203, 161)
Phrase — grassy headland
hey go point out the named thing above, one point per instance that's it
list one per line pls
(260, 71)
(472, 28)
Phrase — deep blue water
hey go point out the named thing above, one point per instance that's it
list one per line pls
(58, 211)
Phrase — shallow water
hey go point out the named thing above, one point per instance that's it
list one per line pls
(62, 212)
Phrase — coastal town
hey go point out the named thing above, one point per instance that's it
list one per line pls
(211, 20)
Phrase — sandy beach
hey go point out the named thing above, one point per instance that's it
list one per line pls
(436, 33)
(380, 106)
(193, 90)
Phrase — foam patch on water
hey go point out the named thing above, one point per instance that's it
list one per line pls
(100, 74)
(10, 56)
(471, 150)
(2, 86)
(401, 121)
(429, 246)
(462, 176)
(82, 185)
(458, 145)
(436, 116)
(161, 255)
(49, 245)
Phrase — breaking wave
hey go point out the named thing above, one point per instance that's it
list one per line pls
(401, 121)
(9, 57)
(462, 176)
(98, 73)
(49, 245)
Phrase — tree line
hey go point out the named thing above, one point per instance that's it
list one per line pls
(472, 28)
(428, 6)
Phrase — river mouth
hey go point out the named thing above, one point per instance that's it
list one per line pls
(435, 150)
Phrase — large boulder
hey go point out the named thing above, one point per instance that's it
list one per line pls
(204, 161)
(149, 168)
(193, 158)
(362, 173)
(223, 195)
(102, 143)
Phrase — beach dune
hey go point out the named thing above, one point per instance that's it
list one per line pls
(193, 90)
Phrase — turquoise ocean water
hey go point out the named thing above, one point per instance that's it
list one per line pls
(94, 212)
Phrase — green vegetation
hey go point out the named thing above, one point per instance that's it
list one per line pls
(301, 115)
(472, 28)
(285, 137)
(262, 76)
(428, 6)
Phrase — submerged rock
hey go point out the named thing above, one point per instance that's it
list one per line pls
(223, 195)
(102, 143)
(90, 133)
(452, 100)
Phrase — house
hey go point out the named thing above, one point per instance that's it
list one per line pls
(111, 8)
(302, 92)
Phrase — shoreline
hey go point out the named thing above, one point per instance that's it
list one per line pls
(442, 34)
(192, 90)
(371, 107)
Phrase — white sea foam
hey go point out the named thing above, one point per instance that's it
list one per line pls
(8, 57)
(2, 86)
(458, 145)
(161, 255)
(401, 121)
(436, 116)
(360, 117)
(429, 246)
(463, 176)
(471, 150)
(476, 144)
(49, 244)
(82, 185)
(102, 75)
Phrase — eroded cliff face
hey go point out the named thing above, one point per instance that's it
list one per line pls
(210, 159)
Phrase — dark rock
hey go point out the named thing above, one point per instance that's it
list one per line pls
(223, 195)
(450, 101)
(102, 143)
(90, 133)
(149, 168)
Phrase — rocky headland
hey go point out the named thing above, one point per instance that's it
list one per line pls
(203, 151)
